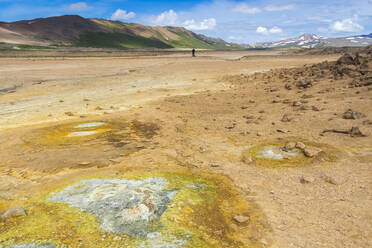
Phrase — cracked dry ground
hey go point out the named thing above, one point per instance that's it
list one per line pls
(202, 127)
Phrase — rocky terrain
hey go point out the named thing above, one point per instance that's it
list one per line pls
(235, 149)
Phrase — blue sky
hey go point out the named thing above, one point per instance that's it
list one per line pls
(236, 21)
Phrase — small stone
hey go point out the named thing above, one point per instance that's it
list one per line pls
(296, 103)
(286, 118)
(307, 179)
(312, 151)
(215, 165)
(352, 115)
(288, 86)
(14, 212)
(315, 108)
(259, 134)
(335, 180)
(246, 159)
(282, 130)
(290, 146)
(241, 219)
(69, 114)
(300, 145)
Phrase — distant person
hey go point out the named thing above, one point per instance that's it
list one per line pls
(193, 52)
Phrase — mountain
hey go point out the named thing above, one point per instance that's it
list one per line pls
(73, 30)
(313, 40)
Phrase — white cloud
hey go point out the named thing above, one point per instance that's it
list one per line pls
(167, 18)
(246, 9)
(275, 30)
(262, 30)
(80, 6)
(206, 24)
(265, 31)
(279, 7)
(120, 14)
(349, 25)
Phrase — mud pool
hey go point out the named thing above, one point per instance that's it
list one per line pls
(277, 155)
(140, 209)
(274, 152)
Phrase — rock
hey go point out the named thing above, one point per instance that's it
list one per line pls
(247, 159)
(288, 86)
(300, 145)
(290, 146)
(304, 84)
(315, 108)
(282, 130)
(296, 103)
(352, 115)
(69, 114)
(241, 219)
(312, 151)
(259, 134)
(355, 132)
(346, 59)
(335, 180)
(307, 179)
(12, 213)
(215, 165)
(286, 118)
(304, 107)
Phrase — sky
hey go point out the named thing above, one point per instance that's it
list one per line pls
(247, 21)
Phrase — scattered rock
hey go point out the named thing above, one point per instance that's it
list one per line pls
(300, 145)
(282, 130)
(241, 219)
(312, 151)
(290, 146)
(335, 180)
(307, 179)
(12, 213)
(352, 115)
(346, 59)
(304, 84)
(247, 159)
(286, 118)
(315, 108)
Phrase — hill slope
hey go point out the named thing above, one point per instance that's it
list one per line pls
(73, 30)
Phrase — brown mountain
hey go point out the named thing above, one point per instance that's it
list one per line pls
(73, 30)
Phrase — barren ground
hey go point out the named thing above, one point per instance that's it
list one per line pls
(177, 113)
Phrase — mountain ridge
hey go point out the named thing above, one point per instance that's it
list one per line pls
(314, 40)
